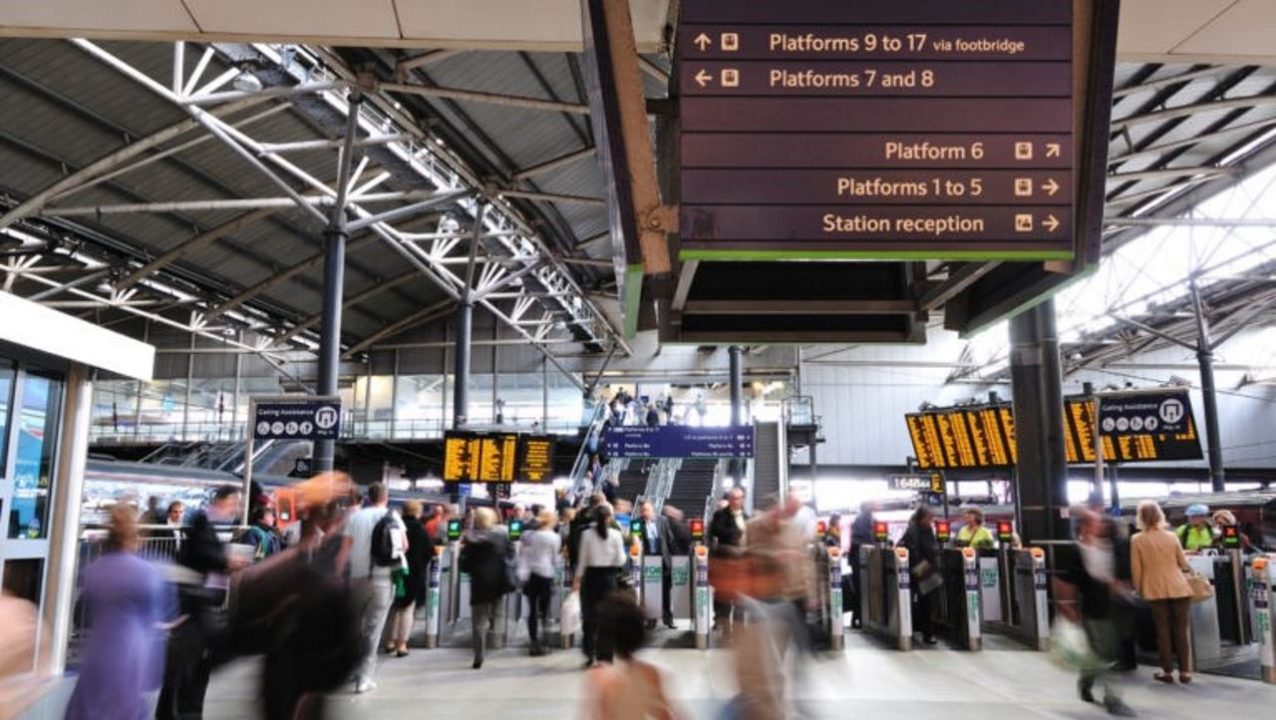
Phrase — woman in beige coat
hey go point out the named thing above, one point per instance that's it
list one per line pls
(1158, 564)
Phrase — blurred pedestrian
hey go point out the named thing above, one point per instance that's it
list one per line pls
(629, 689)
(539, 553)
(1086, 588)
(261, 534)
(726, 547)
(923, 565)
(1196, 534)
(862, 535)
(833, 534)
(1158, 564)
(419, 555)
(372, 545)
(199, 640)
(973, 533)
(602, 556)
(484, 553)
(21, 641)
(125, 654)
(664, 537)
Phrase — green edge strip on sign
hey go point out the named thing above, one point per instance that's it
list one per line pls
(875, 255)
(633, 298)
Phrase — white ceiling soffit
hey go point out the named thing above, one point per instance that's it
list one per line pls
(1198, 31)
(475, 24)
(32, 325)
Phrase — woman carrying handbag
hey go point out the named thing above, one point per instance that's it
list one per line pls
(1159, 566)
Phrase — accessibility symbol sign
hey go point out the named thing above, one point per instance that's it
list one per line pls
(1165, 411)
(296, 418)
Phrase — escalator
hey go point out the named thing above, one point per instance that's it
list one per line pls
(770, 462)
(692, 484)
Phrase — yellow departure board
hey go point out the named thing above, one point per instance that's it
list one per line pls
(962, 438)
(984, 437)
(461, 457)
(498, 458)
(473, 457)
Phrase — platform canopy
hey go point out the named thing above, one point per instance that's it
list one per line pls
(166, 180)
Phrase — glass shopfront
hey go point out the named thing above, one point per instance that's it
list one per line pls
(31, 406)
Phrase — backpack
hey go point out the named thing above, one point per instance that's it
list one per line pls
(383, 549)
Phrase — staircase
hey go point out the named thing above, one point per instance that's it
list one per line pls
(692, 484)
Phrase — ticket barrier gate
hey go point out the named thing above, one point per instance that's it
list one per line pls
(885, 600)
(1225, 629)
(1263, 604)
(960, 606)
(447, 612)
(1013, 593)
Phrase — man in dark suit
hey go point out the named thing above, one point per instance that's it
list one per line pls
(726, 544)
(664, 537)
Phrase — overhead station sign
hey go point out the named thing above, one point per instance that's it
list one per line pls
(678, 441)
(880, 130)
(302, 417)
(983, 436)
(472, 457)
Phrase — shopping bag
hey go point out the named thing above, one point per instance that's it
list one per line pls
(1202, 590)
(1070, 647)
(571, 614)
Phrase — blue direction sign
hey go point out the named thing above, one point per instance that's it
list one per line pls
(679, 441)
(305, 418)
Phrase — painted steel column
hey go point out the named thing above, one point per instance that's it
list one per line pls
(334, 278)
(461, 371)
(64, 525)
(736, 380)
(736, 374)
(334, 271)
(1209, 393)
(1041, 473)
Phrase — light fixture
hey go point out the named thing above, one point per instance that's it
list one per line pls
(246, 82)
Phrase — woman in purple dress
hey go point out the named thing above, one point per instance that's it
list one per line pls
(124, 596)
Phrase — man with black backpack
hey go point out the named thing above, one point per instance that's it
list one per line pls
(373, 545)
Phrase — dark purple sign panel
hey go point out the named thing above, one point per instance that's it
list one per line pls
(678, 441)
(881, 129)
(820, 42)
(876, 150)
(893, 187)
(877, 79)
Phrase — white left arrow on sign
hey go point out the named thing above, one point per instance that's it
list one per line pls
(703, 78)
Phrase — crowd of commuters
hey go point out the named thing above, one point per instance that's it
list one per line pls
(351, 575)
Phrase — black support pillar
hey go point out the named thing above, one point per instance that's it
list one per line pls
(461, 386)
(1209, 393)
(736, 374)
(334, 279)
(1041, 490)
(334, 271)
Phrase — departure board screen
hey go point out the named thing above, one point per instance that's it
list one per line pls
(472, 457)
(462, 453)
(963, 438)
(1131, 447)
(500, 453)
(983, 436)
(535, 459)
